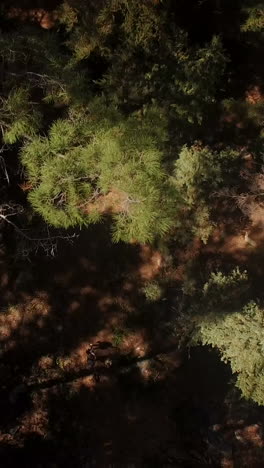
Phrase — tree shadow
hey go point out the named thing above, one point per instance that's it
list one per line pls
(124, 418)
(131, 412)
(69, 299)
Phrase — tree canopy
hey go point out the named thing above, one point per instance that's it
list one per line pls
(239, 338)
(93, 154)
(148, 114)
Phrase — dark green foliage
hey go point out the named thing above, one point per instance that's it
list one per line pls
(18, 116)
(225, 292)
(199, 172)
(33, 59)
(220, 314)
(239, 338)
(95, 26)
(181, 79)
(149, 58)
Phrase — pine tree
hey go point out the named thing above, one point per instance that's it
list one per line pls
(147, 57)
(198, 173)
(219, 314)
(102, 25)
(239, 337)
(91, 155)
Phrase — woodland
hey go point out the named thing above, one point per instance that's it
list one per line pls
(132, 233)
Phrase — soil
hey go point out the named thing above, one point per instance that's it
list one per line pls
(143, 402)
(46, 19)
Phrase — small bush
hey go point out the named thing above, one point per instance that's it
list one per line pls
(225, 291)
(152, 291)
(119, 334)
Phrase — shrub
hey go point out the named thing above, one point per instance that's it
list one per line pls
(225, 291)
(119, 334)
(239, 336)
(152, 291)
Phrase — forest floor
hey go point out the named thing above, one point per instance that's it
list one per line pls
(144, 402)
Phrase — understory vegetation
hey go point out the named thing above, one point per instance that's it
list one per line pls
(145, 118)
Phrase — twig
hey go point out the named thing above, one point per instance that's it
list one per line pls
(43, 239)
(4, 169)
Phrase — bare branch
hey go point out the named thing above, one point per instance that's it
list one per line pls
(47, 243)
(37, 239)
(95, 195)
(3, 164)
(40, 79)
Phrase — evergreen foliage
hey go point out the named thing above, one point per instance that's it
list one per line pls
(225, 290)
(181, 79)
(18, 116)
(199, 172)
(86, 156)
(254, 13)
(240, 339)
(33, 59)
(149, 58)
(153, 291)
(220, 315)
(93, 27)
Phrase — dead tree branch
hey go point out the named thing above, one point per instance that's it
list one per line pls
(47, 243)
